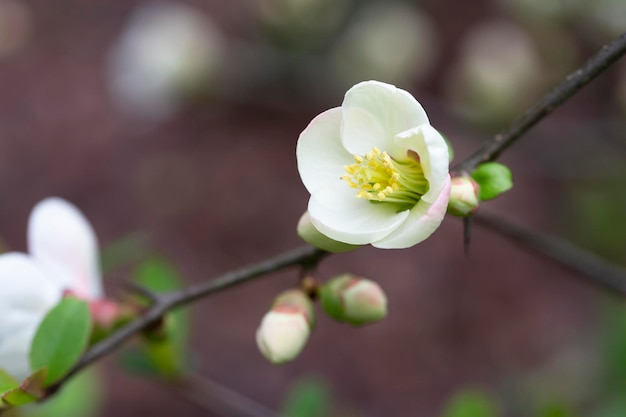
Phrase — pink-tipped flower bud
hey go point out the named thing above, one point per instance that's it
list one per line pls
(285, 329)
(464, 196)
(353, 300)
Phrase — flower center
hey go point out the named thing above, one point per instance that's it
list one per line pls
(380, 178)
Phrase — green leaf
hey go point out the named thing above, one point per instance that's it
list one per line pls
(169, 354)
(308, 398)
(493, 179)
(471, 403)
(61, 338)
(7, 382)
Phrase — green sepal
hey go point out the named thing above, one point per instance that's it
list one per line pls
(493, 179)
(61, 338)
(330, 296)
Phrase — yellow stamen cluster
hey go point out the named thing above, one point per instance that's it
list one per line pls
(380, 178)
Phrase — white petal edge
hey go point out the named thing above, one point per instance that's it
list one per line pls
(433, 152)
(320, 153)
(423, 220)
(14, 352)
(373, 113)
(341, 216)
(61, 238)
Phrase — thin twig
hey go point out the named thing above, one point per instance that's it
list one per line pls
(304, 256)
(598, 271)
(571, 85)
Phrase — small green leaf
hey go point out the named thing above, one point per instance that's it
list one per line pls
(471, 403)
(168, 355)
(61, 338)
(493, 179)
(308, 398)
(7, 382)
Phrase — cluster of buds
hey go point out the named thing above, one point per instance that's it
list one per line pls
(286, 327)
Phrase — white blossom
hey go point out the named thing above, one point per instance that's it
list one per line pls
(376, 169)
(63, 257)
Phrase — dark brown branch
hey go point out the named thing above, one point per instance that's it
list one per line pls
(595, 269)
(304, 256)
(570, 86)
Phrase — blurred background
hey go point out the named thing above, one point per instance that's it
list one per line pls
(173, 125)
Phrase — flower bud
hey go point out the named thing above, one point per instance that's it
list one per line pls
(353, 300)
(285, 329)
(313, 237)
(464, 199)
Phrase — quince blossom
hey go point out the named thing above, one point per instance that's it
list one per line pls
(62, 259)
(376, 169)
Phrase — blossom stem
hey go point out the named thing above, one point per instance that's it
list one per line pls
(575, 81)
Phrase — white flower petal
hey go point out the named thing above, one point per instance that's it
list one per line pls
(26, 295)
(24, 286)
(423, 220)
(320, 153)
(352, 220)
(14, 351)
(62, 239)
(373, 113)
(433, 152)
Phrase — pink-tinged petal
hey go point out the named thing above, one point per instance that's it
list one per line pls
(320, 153)
(423, 220)
(432, 150)
(344, 218)
(61, 238)
(373, 113)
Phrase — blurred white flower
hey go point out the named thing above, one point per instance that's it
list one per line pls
(499, 72)
(168, 51)
(63, 257)
(376, 169)
(388, 41)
